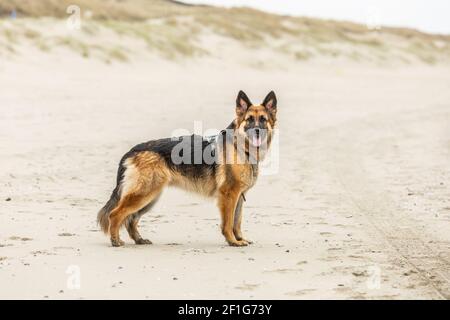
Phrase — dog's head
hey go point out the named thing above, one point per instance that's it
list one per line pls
(256, 122)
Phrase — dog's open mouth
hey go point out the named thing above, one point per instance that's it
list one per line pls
(256, 141)
(257, 137)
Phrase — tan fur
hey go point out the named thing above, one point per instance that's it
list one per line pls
(145, 177)
(206, 187)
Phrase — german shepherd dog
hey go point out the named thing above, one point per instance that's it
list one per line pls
(149, 167)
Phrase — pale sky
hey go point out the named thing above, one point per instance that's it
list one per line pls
(425, 15)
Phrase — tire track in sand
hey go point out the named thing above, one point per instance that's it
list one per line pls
(365, 188)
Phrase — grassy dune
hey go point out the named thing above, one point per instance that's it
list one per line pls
(130, 10)
(175, 30)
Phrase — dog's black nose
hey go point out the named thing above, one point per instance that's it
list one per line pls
(257, 132)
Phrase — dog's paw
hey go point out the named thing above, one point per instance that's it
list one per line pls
(117, 243)
(245, 240)
(238, 243)
(143, 241)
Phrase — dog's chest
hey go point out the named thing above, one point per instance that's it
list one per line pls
(248, 175)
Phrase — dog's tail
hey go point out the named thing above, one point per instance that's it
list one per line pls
(103, 214)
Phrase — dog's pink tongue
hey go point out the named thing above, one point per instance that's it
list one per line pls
(257, 141)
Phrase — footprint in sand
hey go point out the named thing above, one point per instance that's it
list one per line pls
(63, 248)
(300, 292)
(116, 284)
(20, 238)
(42, 252)
(285, 270)
(66, 234)
(360, 273)
(247, 286)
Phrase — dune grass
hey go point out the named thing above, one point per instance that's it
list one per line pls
(173, 30)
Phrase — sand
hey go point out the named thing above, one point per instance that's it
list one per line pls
(359, 208)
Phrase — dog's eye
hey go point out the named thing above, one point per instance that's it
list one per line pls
(262, 119)
(250, 119)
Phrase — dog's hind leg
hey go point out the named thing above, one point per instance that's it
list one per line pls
(131, 223)
(127, 206)
(144, 178)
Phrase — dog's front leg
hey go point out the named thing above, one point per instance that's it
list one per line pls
(228, 199)
(238, 220)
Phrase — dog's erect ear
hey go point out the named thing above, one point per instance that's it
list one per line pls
(242, 103)
(270, 102)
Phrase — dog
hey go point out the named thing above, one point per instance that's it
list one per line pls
(229, 172)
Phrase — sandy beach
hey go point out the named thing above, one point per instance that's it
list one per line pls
(359, 208)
